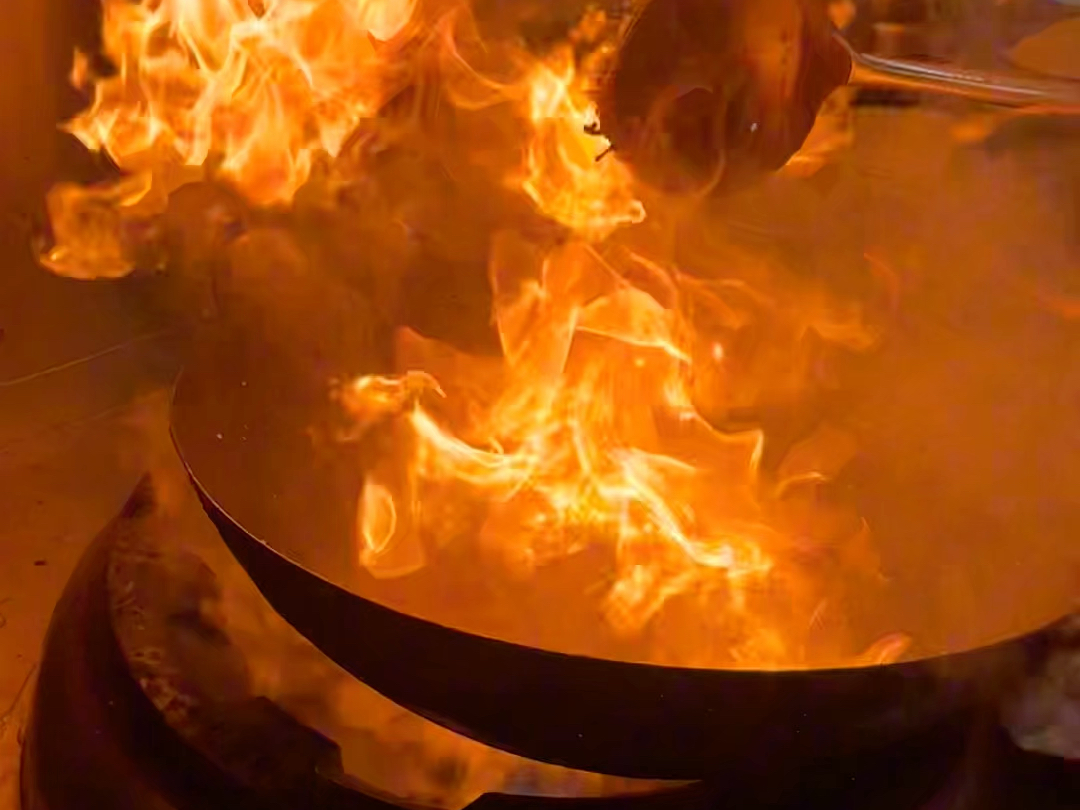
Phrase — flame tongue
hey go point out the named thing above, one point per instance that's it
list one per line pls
(592, 439)
(249, 91)
(567, 178)
(259, 87)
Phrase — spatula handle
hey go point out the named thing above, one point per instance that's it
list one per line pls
(1003, 89)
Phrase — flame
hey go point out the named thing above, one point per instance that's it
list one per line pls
(567, 176)
(565, 170)
(248, 91)
(89, 224)
(589, 436)
(261, 87)
(589, 433)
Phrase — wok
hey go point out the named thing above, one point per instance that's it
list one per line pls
(967, 483)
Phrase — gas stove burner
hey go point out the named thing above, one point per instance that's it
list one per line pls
(144, 701)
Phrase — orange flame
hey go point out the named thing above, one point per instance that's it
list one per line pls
(89, 226)
(251, 91)
(259, 87)
(567, 177)
(585, 434)
(564, 169)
